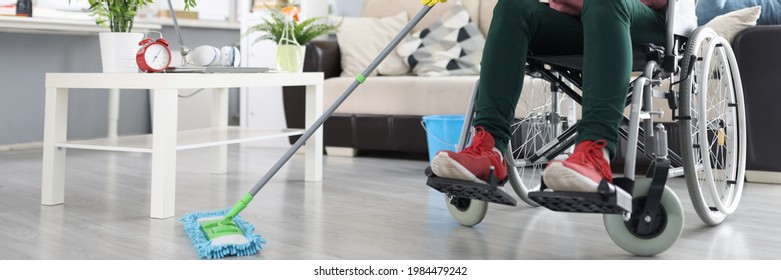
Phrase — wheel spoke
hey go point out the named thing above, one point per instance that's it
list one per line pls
(531, 134)
(712, 153)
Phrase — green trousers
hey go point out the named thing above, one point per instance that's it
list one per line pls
(604, 33)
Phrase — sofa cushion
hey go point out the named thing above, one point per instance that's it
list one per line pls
(486, 14)
(417, 96)
(361, 39)
(402, 95)
(451, 46)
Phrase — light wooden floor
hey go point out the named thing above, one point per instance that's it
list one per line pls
(365, 208)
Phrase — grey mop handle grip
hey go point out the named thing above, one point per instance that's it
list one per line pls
(319, 122)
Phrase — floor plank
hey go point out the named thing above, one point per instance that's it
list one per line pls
(365, 208)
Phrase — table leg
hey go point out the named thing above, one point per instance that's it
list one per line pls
(55, 131)
(314, 146)
(220, 122)
(164, 128)
(113, 112)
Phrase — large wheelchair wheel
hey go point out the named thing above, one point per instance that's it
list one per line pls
(713, 125)
(467, 212)
(541, 122)
(667, 226)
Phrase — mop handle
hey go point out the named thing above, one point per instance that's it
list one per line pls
(245, 200)
(358, 80)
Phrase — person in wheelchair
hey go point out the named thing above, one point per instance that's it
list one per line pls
(604, 32)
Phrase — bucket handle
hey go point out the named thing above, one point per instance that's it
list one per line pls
(423, 124)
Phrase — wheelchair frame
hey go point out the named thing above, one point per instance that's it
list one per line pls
(652, 221)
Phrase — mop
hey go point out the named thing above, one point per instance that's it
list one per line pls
(222, 233)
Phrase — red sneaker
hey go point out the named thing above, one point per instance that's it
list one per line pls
(582, 171)
(474, 162)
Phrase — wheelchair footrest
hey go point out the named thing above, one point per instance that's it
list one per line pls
(610, 199)
(467, 189)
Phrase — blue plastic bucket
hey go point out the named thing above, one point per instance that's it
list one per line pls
(442, 132)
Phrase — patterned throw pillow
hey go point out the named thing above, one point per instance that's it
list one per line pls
(451, 46)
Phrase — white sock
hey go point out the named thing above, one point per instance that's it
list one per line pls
(499, 152)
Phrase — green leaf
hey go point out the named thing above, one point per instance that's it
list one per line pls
(120, 14)
(304, 32)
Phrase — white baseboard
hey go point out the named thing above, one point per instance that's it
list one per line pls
(341, 152)
(21, 146)
(763, 177)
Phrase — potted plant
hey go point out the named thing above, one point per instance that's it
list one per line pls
(291, 35)
(118, 47)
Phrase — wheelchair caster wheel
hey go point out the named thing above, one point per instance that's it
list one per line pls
(468, 212)
(666, 226)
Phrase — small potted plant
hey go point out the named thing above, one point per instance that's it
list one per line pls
(291, 35)
(118, 47)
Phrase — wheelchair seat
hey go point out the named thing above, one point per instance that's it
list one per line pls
(575, 62)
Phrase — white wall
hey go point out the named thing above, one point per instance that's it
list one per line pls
(350, 8)
(262, 108)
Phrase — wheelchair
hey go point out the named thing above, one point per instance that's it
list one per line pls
(642, 215)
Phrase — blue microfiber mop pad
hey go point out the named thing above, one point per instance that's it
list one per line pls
(220, 247)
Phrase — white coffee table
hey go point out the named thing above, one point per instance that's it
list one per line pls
(165, 141)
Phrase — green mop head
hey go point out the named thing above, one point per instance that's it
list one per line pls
(214, 238)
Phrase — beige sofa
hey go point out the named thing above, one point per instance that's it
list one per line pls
(384, 113)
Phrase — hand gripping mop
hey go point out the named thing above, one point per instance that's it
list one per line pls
(221, 233)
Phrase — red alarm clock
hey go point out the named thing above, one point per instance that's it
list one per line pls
(154, 55)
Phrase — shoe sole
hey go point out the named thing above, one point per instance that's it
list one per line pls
(560, 178)
(446, 167)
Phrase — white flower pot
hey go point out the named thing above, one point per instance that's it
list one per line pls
(290, 58)
(118, 51)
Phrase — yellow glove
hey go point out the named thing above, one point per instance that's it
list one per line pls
(432, 2)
